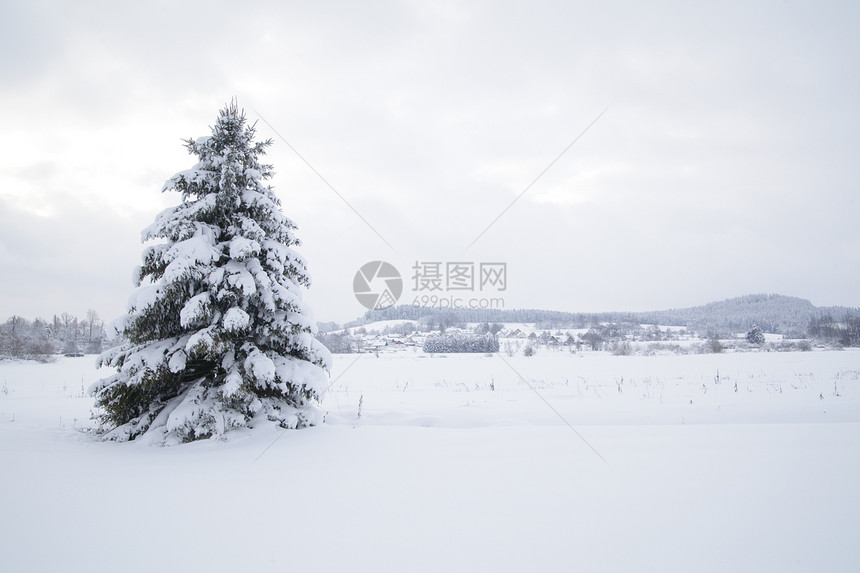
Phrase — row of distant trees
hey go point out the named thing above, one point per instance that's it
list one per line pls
(40, 339)
(844, 332)
(454, 343)
(615, 337)
(790, 316)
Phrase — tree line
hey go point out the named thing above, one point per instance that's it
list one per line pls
(790, 316)
(461, 343)
(41, 339)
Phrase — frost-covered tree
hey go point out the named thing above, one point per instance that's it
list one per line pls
(755, 335)
(461, 343)
(218, 335)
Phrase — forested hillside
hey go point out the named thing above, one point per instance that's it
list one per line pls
(791, 316)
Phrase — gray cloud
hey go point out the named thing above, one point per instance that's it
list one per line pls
(725, 164)
(77, 260)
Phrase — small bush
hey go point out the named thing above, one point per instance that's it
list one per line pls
(622, 348)
(655, 347)
(713, 346)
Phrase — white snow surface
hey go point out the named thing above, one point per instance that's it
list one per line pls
(465, 463)
(190, 253)
(242, 248)
(261, 366)
(194, 309)
(236, 319)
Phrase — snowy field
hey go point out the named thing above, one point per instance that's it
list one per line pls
(558, 462)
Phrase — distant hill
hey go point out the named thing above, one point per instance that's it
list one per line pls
(772, 312)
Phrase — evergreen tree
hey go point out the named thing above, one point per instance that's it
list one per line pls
(218, 335)
(755, 335)
(461, 343)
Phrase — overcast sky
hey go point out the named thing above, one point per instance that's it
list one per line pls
(727, 161)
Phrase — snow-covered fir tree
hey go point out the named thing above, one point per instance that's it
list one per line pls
(219, 337)
(755, 335)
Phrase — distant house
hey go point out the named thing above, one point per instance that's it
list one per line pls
(416, 339)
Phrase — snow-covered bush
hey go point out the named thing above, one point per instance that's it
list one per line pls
(336, 342)
(455, 343)
(755, 335)
(621, 348)
(712, 346)
(218, 335)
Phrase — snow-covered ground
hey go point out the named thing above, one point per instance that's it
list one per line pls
(558, 462)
